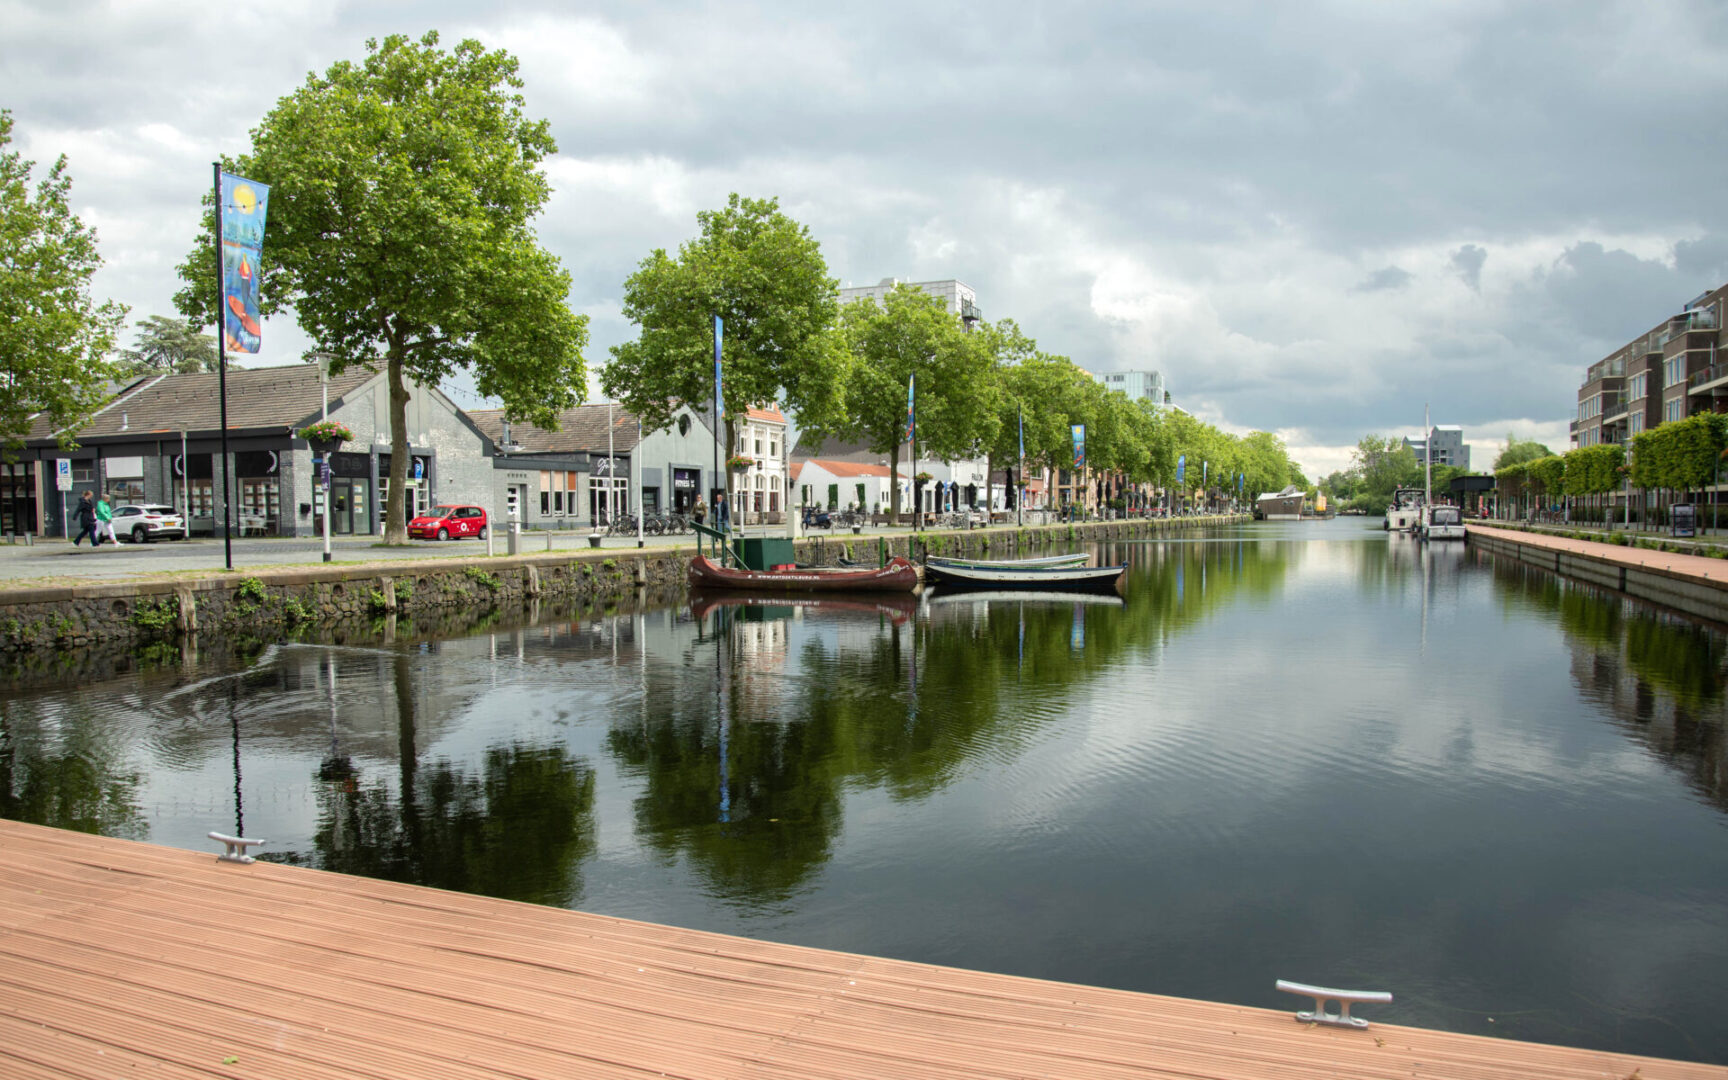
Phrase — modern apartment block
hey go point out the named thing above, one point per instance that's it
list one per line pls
(1667, 373)
(1447, 443)
(959, 297)
(1137, 385)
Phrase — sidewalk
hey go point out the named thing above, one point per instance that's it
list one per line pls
(1694, 567)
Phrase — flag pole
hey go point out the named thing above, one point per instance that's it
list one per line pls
(719, 329)
(221, 380)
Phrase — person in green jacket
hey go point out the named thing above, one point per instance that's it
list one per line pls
(104, 521)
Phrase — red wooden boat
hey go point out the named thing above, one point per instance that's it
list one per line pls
(898, 576)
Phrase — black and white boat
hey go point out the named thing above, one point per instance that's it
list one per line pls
(1011, 576)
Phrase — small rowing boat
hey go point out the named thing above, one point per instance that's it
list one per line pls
(1024, 577)
(898, 576)
(1078, 558)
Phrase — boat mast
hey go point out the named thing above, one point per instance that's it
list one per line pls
(1427, 461)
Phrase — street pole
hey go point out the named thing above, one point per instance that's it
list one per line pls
(636, 468)
(611, 469)
(222, 378)
(324, 456)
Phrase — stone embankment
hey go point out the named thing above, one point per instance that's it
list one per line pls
(1694, 585)
(269, 604)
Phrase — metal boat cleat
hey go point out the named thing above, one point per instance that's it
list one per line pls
(1344, 998)
(236, 847)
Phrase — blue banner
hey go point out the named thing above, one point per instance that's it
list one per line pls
(719, 332)
(1181, 467)
(1079, 432)
(1021, 417)
(241, 208)
(911, 406)
(1205, 467)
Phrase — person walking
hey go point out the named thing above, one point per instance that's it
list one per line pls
(722, 513)
(105, 520)
(85, 515)
(699, 511)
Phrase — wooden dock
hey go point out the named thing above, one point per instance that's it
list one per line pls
(120, 959)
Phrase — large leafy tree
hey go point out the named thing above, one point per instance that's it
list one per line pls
(402, 189)
(1520, 452)
(912, 333)
(54, 336)
(170, 345)
(763, 274)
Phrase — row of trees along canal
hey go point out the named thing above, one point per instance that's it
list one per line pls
(403, 188)
(1672, 462)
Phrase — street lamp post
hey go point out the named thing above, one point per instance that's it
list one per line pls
(323, 478)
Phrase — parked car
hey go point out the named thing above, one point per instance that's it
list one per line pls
(143, 523)
(450, 523)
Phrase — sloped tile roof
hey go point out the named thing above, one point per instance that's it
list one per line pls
(768, 413)
(851, 468)
(582, 429)
(271, 397)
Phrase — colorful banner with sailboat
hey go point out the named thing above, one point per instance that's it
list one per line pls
(241, 208)
(1079, 432)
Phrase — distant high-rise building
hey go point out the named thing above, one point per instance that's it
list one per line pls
(1137, 385)
(1448, 443)
(959, 297)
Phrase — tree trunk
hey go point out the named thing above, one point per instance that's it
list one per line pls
(395, 518)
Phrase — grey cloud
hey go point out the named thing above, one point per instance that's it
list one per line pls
(1468, 261)
(1390, 277)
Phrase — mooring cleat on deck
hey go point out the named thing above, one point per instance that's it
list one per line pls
(1323, 994)
(236, 847)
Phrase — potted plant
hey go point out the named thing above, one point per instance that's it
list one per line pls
(738, 462)
(325, 435)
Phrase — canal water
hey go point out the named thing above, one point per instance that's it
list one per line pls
(1306, 751)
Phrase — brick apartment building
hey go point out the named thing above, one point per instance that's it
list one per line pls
(1670, 372)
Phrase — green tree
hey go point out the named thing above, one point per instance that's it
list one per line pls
(912, 333)
(168, 345)
(1384, 464)
(763, 274)
(54, 337)
(401, 194)
(1520, 452)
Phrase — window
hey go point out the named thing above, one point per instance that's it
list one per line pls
(1674, 409)
(1637, 421)
(758, 450)
(1674, 370)
(773, 448)
(1638, 384)
(833, 496)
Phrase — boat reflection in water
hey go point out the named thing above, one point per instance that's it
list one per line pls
(758, 607)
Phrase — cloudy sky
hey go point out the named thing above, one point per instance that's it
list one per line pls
(1313, 218)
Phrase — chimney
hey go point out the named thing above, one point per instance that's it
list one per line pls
(124, 422)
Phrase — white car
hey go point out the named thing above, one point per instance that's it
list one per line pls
(146, 522)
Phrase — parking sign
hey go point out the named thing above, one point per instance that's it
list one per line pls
(63, 474)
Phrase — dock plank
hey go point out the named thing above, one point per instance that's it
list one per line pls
(130, 959)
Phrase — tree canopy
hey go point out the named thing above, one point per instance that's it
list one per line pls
(763, 274)
(402, 188)
(1520, 452)
(166, 345)
(54, 336)
(911, 333)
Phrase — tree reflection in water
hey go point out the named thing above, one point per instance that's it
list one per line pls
(520, 829)
(68, 769)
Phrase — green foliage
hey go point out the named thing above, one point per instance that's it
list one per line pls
(1519, 452)
(250, 589)
(294, 611)
(763, 274)
(54, 337)
(1381, 465)
(1548, 475)
(913, 334)
(1682, 455)
(326, 431)
(1593, 470)
(402, 188)
(378, 600)
(474, 573)
(155, 617)
(166, 345)
(404, 590)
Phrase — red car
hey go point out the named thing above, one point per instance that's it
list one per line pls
(449, 523)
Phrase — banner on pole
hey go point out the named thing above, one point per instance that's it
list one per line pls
(244, 203)
(1079, 433)
(1181, 467)
(1021, 417)
(911, 407)
(719, 332)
